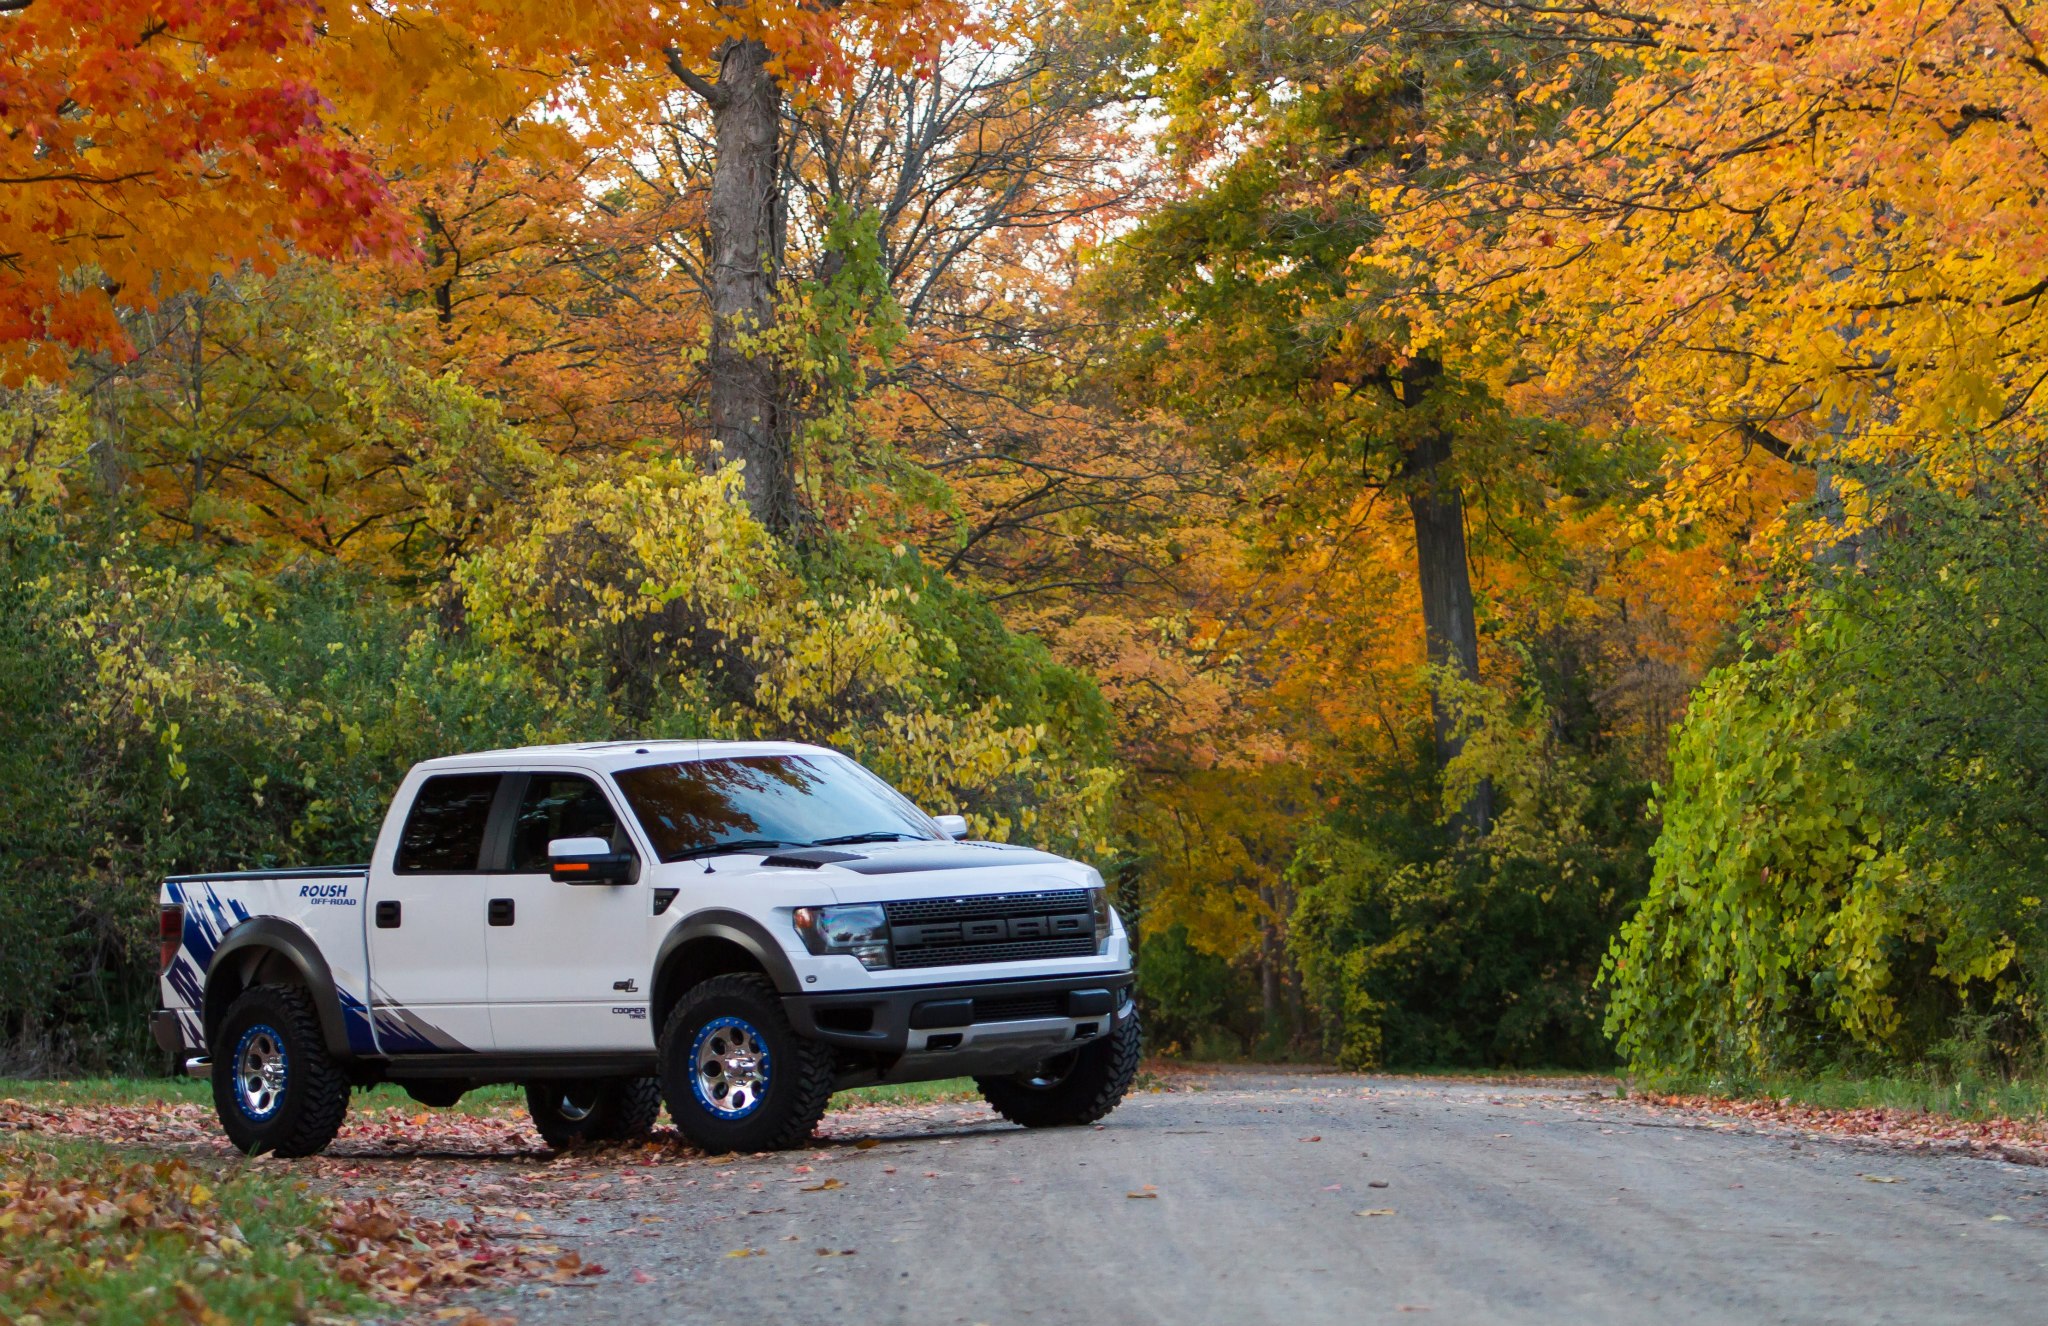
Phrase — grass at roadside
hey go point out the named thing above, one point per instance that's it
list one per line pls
(1967, 1097)
(97, 1091)
(116, 1237)
(94, 1091)
(909, 1093)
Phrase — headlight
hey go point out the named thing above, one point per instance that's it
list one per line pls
(1103, 913)
(862, 931)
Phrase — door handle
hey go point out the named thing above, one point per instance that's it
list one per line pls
(501, 911)
(388, 914)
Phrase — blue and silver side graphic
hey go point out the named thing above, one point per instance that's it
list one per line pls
(402, 1031)
(208, 918)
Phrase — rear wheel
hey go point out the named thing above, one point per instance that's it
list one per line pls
(574, 1113)
(1077, 1087)
(735, 1074)
(275, 1087)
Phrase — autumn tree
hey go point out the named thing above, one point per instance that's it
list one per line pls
(149, 145)
(1807, 230)
(1267, 331)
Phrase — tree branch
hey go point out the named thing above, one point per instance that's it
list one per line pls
(714, 96)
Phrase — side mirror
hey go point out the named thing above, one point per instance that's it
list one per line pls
(589, 861)
(953, 826)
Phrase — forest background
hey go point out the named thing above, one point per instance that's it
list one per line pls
(1512, 532)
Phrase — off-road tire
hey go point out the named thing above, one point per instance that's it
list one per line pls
(313, 1100)
(1090, 1087)
(579, 1113)
(794, 1094)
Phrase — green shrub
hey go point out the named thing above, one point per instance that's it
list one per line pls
(1850, 871)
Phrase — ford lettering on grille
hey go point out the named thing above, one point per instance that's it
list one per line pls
(996, 927)
(994, 930)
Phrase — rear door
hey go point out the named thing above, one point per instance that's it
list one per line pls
(429, 908)
(568, 962)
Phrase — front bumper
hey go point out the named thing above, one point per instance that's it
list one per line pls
(943, 1030)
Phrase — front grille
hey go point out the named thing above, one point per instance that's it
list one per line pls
(947, 955)
(1015, 1008)
(996, 927)
(994, 904)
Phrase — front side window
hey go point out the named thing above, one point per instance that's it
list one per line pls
(696, 807)
(559, 806)
(445, 831)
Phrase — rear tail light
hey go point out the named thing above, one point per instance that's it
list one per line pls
(170, 932)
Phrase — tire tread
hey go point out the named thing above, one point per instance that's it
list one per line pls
(1080, 1099)
(808, 1081)
(318, 1085)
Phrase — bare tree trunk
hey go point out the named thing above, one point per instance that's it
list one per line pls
(750, 416)
(1444, 571)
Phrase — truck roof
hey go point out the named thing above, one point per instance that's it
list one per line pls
(621, 754)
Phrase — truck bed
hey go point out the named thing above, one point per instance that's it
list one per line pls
(324, 901)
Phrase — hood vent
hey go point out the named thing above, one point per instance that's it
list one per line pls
(810, 858)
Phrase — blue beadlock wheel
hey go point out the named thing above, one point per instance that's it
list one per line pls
(731, 1067)
(262, 1072)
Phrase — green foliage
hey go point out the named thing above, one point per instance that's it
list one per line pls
(1191, 997)
(1850, 867)
(1426, 949)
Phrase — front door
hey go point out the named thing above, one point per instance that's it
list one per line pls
(568, 962)
(428, 962)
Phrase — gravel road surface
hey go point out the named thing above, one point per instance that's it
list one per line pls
(1254, 1197)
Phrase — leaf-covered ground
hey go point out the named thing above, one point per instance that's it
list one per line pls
(121, 1202)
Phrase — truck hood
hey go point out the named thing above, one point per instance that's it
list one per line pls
(879, 872)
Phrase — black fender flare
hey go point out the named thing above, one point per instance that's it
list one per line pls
(295, 946)
(734, 928)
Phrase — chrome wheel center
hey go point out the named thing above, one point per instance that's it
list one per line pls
(732, 1067)
(260, 1072)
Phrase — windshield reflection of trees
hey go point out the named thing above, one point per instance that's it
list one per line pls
(687, 806)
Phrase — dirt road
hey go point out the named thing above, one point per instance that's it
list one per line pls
(1247, 1198)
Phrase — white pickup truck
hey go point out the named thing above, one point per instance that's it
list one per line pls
(735, 929)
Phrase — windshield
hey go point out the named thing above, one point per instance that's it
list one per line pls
(764, 802)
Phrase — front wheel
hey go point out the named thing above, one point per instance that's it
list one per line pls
(573, 1113)
(1079, 1086)
(735, 1074)
(275, 1087)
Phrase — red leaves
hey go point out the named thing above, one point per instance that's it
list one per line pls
(152, 146)
(2024, 1141)
(400, 1256)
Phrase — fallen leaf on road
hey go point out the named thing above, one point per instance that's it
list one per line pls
(642, 1278)
(1377, 1183)
(1384, 1210)
(1316, 1138)
(1333, 1187)
(1878, 1178)
(828, 1252)
(867, 1144)
(748, 1252)
(1147, 1192)
(827, 1186)
(1998, 1217)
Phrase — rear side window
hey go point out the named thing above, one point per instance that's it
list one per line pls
(445, 831)
(559, 806)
